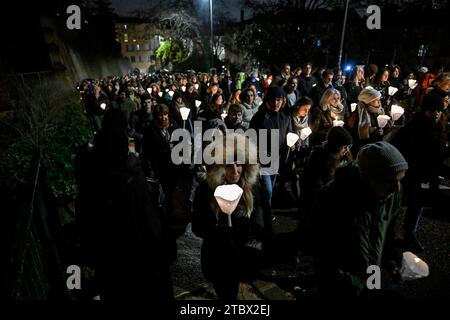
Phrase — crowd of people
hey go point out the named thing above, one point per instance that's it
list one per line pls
(360, 161)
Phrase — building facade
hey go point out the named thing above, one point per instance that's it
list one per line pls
(139, 41)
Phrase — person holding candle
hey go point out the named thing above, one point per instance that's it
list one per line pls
(350, 237)
(422, 144)
(324, 117)
(133, 250)
(269, 117)
(363, 123)
(320, 169)
(227, 255)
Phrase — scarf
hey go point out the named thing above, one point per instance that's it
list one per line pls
(364, 112)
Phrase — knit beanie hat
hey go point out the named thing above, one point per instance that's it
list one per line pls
(368, 95)
(338, 137)
(380, 158)
(275, 92)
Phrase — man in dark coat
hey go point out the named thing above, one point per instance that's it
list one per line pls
(353, 234)
(133, 261)
(420, 141)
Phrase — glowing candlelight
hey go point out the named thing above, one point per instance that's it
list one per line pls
(183, 88)
(413, 267)
(338, 123)
(184, 112)
(353, 106)
(171, 93)
(396, 112)
(198, 103)
(103, 106)
(160, 94)
(149, 90)
(227, 197)
(392, 90)
(305, 132)
(383, 120)
(223, 115)
(412, 83)
(291, 139)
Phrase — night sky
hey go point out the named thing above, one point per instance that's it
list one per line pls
(126, 7)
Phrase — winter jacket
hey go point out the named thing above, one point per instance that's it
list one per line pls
(351, 234)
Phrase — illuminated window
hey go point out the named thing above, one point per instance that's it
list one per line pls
(137, 47)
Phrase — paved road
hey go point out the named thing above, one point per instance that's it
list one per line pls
(291, 276)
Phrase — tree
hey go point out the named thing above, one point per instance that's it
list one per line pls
(289, 31)
(171, 51)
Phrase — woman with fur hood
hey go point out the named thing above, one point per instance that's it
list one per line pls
(230, 254)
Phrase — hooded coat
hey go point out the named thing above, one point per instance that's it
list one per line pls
(226, 255)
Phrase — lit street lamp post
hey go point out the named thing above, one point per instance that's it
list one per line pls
(211, 33)
(341, 47)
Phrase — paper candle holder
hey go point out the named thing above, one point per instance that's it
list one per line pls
(383, 120)
(413, 267)
(291, 139)
(184, 113)
(396, 112)
(227, 197)
(305, 133)
(392, 90)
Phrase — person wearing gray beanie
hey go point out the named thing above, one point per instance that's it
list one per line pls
(354, 220)
(380, 158)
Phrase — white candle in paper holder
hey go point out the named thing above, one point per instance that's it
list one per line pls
(149, 90)
(338, 123)
(413, 267)
(196, 86)
(227, 197)
(198, 103)
(412, 83)
(160, 94)
(171, 93)
(103, 106)
(353, 106)
(167, 90)
(291, 139)
(392, 90)
(396, 112)
(184, 113)
(183, 88)
(305, 133)
(223, 116)
(383, 120)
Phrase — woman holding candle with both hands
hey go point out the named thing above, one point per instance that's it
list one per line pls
(229, 253)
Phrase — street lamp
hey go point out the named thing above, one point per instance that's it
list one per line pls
(341, 46)
(211, 33)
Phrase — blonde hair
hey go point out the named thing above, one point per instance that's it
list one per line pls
(327, 95)
(243, 148)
